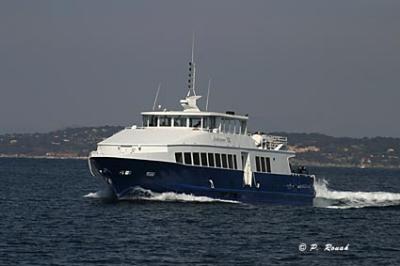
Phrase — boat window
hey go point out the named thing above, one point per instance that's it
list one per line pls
(188, 158)
(145, 122)
(165, 121)
(206, 122)
(262, 164)
(268, 162)
(196, 158)
(178, 157)
(258, 164)
(237, 127)
(231, 126)
(218, 160)
(211, 159)
(212, 123)
(243, 125)
(235, 161)
(203, 159)
(179, 121)
(218, 123)
(224, 163)
(230, 161)
(195, 122)
(153, 121)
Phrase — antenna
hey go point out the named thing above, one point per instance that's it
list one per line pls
(156, 98)
(192, 73)
(208, 93)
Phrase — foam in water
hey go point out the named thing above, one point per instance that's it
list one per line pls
(139, 193)
(327, 198)
(105, 193)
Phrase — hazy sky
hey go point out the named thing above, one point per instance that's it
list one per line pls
(301, 66)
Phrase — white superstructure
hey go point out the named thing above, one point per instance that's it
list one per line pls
(199, 138)
(165, 133)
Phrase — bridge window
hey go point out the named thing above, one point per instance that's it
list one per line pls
(153, 121)
(196, 158)
(165, 121)
(179, 121)
(243, 127)
(235, 161)
(188, 158)
(178, 157)
(195, 122)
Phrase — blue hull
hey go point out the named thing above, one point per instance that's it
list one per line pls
(125, 174)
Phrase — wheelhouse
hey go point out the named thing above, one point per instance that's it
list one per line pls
(214, 122)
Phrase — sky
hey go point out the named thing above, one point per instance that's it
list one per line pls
(331, 67)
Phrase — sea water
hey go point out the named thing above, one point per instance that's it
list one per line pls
(52, 212)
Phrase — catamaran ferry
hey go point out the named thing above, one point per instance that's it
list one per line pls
(201, 153)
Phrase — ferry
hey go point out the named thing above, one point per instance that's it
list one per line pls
(201, 153)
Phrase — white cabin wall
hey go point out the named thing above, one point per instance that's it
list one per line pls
(160, 144)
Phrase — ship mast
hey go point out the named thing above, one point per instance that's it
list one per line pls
(192, 74)
(189, 104)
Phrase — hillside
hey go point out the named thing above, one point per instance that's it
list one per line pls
(312, 149)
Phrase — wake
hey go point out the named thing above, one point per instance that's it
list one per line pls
(326, 198)
(140, 194)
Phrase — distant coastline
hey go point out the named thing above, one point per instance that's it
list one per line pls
(312, 149)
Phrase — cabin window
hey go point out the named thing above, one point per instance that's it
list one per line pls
(224, 162)
(188, 158)
(230, 161)
(235, 161)
(211, 159)
(263, 164)
(165, 121)
(179, 121)
(258, 168)
(268, 162)
(243, 126)
(212, 123)
(223, 124)
(153, 121)
(206, 122)
(203, 159)
(218, 123)
(145, 120)
(237, 127)
(178, 157)
(195, 122)
(231, 124)
(196, 158)
(218, 160)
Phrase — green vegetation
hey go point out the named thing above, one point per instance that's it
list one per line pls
(69, 142)
(311, 149)
(318, 149)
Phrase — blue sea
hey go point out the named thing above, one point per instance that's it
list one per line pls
(52, 212)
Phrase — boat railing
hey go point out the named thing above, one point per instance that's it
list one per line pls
(269, 142)
(276, 142)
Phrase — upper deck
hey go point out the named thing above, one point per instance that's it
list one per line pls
(212, 121)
